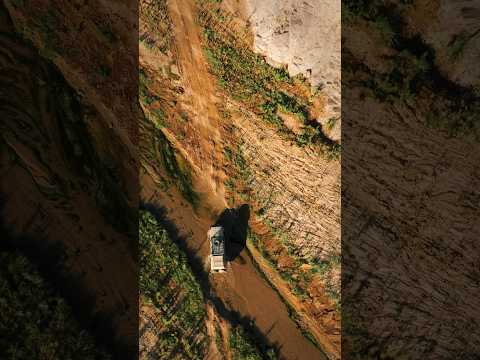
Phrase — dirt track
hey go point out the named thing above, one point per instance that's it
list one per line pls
(241, 289)
(200, 90)
(242, 292)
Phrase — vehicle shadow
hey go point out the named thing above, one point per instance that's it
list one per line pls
(235, 224)
(237, 219)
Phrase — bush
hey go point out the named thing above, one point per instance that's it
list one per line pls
(167, 282)
(248, 78)
(35, 322)
(242, 346)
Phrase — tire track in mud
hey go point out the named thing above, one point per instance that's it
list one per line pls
(200, 90)
(241, 293)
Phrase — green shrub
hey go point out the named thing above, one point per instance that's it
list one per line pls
(167, 282)
(248, 78)
(242, 345)
(35, 321)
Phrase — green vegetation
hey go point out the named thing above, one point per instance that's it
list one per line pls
(35, 322)
(167, 282)
(155, 17)
(248, 78)
(219, 341)
(156, 149)
(240, 177)
(17, 3)
(367, 9)
(107, 33)
(410, 71)
(254, 240)
(145, 95)
(105, 71)
(414, 76)
(179, 172)
(331, 123)
(150, 101)
(298, 279)
(242, 345)
(47, 26)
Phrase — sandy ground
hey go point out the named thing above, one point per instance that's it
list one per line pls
(200, 88)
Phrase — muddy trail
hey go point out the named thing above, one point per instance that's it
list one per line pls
(242, 294)
(239, 295)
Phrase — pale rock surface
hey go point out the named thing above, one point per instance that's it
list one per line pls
(305, 36)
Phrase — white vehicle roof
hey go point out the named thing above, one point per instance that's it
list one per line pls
(217, 240)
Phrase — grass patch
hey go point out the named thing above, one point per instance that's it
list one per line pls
(156, 151)
(35, 322)
(219, 340)
(180, 172)
(158, 117)
(167, 282)
(291, 311)
(243, 346)
(249, 79)
(414, 74)
(146, 96)
(158, 24)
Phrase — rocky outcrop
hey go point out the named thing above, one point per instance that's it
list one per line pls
(304, 36)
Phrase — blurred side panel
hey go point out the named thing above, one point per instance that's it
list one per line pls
(69, 165)
(410, 179)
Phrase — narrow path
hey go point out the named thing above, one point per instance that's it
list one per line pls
(241, 290)
(200, 88)
(213, 350)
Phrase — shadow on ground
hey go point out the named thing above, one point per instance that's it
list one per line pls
(50, 259)
(237, 222)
